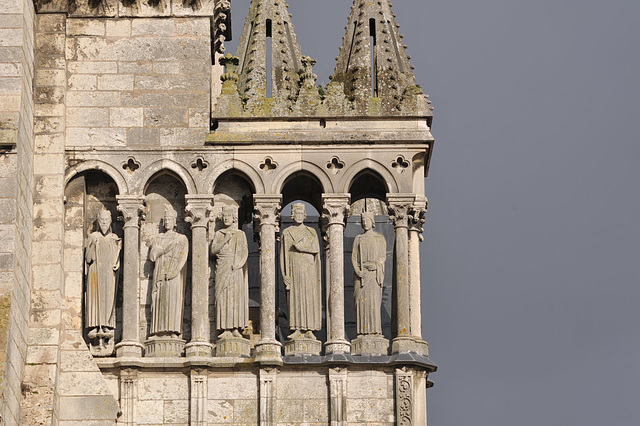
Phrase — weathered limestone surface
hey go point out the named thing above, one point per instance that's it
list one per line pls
(16, 197)
(140, 82)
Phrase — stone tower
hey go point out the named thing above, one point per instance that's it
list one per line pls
(191, 236)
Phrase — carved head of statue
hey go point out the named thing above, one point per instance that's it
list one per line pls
(368, 220)
(229, 215)
(104, 221)
(298, 213)
(170, 219)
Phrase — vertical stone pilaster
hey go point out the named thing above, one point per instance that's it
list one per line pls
(338, 396)
(335, 208)
(198, 209)
(130, 207)
(268, 379)
(405, 397)
(399, 205)
(268, 349)
(128, 396)
(198, 400)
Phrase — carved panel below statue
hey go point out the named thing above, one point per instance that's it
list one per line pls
(169, 252)
(102, 257)
(300, 264)
(230, 247)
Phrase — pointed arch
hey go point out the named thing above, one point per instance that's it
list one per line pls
(303, 166)
(150, 171)
(108, 169)
(376, 168)
(244, 168)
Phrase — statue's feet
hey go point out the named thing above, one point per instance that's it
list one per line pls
(93, 333)
(295, 335)
(226, 335)
(236, 333)
(309, 335)
(109, 333)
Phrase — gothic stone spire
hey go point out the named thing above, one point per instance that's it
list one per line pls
(373, 64)
(269, 19)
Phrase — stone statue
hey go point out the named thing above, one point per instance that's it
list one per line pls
(368, 258)
(102, 257)
(300, 265)
(230, 247)
(169, 251)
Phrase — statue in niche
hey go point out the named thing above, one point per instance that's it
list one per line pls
(230, 247)
(300, 265)
(102, 257)
(169, 251)
(368, 258)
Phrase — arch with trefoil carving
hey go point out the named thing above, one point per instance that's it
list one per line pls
(245, 169)
(108, 169)
(152, 171)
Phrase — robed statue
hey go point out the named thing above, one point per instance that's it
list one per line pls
(169, 251)
(102, 257)
(300, 266)
(230, 247)
(368, 258)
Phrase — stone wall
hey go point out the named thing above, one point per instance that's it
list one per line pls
(16, 186)
(138, 82)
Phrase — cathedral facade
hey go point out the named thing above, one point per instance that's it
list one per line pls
(191, 236)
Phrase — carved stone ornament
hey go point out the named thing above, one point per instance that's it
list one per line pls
(230, 248)
(102, 257)
(368, 259)
(300, 265)
(169, 252)
(404, 397)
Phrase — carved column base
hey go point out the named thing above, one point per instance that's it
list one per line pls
(302, 346)
(410, 344)
(269, 352)
(129, 349)
(233, 347)
(198, 349)
(337, 347)
(370, 344)
(161, 347)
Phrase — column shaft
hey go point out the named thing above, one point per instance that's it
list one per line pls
(197, 210)
(130, 207)
(335, 212)
(268, 349)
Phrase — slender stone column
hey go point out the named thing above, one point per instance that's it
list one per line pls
(198, 208)
(399, 205)
(268, 349)
(130, 207)
(335, 212)
(416, 220)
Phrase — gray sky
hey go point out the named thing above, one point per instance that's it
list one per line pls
(531, 271)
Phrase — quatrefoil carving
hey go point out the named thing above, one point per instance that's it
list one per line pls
(335, 165)
(200, 164)
(400, 164)
(131, 165)
(268, 165)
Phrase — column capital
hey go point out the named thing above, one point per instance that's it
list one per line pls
(334, 208)
(198, 209)
(131, 207)
(417, 214)
(267, 209)
(399, 206)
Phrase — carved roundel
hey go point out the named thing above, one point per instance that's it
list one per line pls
(335, 165)
(400, 164)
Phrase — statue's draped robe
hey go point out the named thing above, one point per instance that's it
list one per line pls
(232, 286)
(300, 262)
(169, 251)
(368, 257)
(103, 260)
